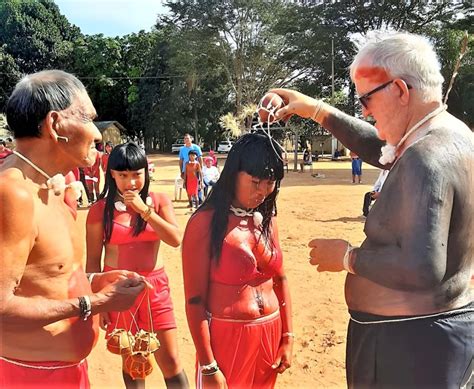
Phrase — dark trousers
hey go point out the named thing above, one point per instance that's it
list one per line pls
(428, 353)
(207, 185)
(367, 201)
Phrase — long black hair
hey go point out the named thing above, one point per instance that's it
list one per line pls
(127, 156)
(255, 154)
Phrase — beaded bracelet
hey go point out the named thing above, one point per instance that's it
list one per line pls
(85, 307)
(210, 372)
(210, 369)
(212, 365)
(288, 335)
(146, 215)
(346, 260)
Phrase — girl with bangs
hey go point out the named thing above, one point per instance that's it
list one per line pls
(129, 223)
(237, 297)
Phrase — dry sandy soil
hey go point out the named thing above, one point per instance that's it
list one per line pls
(307, 207)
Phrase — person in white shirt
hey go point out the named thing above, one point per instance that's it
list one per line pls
(371, 196)
(210, 174)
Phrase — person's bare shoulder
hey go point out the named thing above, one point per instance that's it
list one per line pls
(161, 198)
(13, 182)
(201, 221)
(17, 199)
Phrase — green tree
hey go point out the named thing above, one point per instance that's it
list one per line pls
(461, 97)
(111, 68)
(183, 89)
(9, 75)
(35, 34)
(243, 39)
(310, 29)
(97, 61)
(151, 114)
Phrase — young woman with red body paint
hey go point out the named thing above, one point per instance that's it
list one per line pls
(237, 298)
(130, 223)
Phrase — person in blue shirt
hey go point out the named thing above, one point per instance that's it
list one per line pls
(184, 158)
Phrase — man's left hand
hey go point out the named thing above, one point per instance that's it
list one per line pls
(328, 254)
(101, 280)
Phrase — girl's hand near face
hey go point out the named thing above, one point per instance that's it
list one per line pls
(133, 200)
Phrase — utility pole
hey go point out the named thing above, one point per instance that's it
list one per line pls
(334, 143)
(295, 155)
(332, 70)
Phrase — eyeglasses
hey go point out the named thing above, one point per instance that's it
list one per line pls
(364, 99)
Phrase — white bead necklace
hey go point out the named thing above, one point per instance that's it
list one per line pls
(239, 212)
(57, 182)
(121, 207)
(389, 152)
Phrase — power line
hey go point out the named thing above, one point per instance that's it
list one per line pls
(121, 77)
(131, 78)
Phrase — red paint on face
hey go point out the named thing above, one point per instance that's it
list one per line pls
(373, 74)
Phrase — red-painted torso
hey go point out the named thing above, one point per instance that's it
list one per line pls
(133, 251)
(245, 259)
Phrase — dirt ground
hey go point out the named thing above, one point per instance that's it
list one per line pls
(308, 207)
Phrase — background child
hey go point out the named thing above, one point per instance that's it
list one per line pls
(193, 179)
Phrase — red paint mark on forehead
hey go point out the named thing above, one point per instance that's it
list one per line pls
(374, 74)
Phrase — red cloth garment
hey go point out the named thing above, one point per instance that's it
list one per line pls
(161, 307)
(94, 170)
(245, 351)
(104, 160)
(133, 249)
(43, 375)
(192, 179)
(77, 175)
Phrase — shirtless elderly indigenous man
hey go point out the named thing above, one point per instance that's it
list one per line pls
(407, 289)
(46, 300)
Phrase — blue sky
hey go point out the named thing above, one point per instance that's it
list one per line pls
(111, 17)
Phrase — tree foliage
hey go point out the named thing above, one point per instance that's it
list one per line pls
(36, 35)
(244, 42)
(9, 75)
(207, 58)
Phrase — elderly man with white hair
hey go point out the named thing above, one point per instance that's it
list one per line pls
(408, 284)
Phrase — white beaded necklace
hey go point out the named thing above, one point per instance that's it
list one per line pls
(239, 212)
(121, 207)
(57, 183)
(389, 152)
(119, 204)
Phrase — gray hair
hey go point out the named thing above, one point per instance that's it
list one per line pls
(406, 56)
(37, 94)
